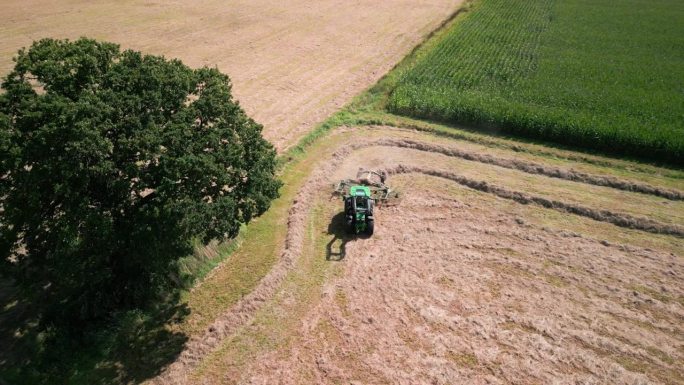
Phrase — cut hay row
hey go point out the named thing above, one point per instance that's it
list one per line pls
(618, 219)
(535, 168)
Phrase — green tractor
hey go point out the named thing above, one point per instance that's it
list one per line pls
(360, 196)
(358, 210)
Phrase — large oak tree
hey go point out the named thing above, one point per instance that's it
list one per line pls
(111, 164)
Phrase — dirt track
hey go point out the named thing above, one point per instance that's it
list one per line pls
(459, 285)
(292, 63)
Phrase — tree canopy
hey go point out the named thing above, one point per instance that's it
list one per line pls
(111, 164)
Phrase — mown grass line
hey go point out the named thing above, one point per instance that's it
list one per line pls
(554, 221)
(260, 242)
(616, 218)
(275, 322)
(535, 168)
(353, 117)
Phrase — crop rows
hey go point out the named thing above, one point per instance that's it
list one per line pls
(601, 75)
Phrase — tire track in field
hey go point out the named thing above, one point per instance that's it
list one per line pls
(618, 219)
(534, 168)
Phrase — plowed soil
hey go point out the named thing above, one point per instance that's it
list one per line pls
(460, 284)
(292, 63)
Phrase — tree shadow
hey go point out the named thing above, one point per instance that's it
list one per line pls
(147, 342)
(131, 347)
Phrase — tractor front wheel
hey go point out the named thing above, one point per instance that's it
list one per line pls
(370, 224)
(351, 226)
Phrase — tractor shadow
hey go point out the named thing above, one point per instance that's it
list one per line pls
(336, 249)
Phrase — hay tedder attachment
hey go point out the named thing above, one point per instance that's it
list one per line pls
(375, 181)
(360, 196)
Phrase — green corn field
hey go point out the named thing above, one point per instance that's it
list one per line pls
(606, 75)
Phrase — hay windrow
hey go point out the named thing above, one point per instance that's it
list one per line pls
(618, 219)
(535, 168)
(239, 314)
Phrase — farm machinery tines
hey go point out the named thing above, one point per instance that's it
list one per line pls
(360, 196)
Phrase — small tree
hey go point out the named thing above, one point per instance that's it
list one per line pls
(111, 164)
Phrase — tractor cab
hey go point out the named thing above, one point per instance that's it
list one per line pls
(360, 196)
(358, 208)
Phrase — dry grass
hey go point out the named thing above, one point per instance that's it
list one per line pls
(292, 65)
(458, 268)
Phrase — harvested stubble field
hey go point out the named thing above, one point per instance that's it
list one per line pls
(292, 63)
(460, 283)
